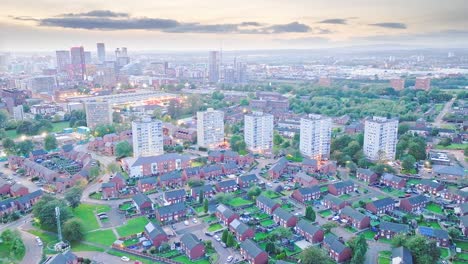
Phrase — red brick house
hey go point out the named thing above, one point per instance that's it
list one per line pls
(306, 194)
(147, 184)
(155, 234)
(192, 173)
(284, 218)
(207, 190)
(18, 190)
(246, 181)
(119, 181)
(212, 171)
(311, 233)
(305, 180)
(355, 218)
(155, 165)
(441, 236)
(336, 249)
(430, 186)
(381, 206)
(7, 206)
(393, 181)
(340, 188)
(4, 187)
(413, 204)
(266, 204)
(109, 190)
(172, 212)
(225, 215)
(309, 165)
(226, 186)
(334, 203)
(192, 246)
(278, 169)
(252, 253)
(24, 203)
(229, 168)
(142, 203)
(457, 196)
(389, 229)
(175, 196)
(241, 230)
(366, 175)
(170, 179)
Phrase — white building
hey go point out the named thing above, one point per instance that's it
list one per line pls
(210, 128)
(98, 113)
(315, 137)
(147, 137)
(258, 131)
(380, 138)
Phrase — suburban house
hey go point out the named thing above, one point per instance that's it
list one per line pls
(212, 171)
(366, 175)
(119, 181)
(336, 249)
(305, 180)
(18, 190)
(241, 230)
(175, 196)
(390, 229)
(457, 196)
(449, 172)
(313, 234)
(439, 235)
(266, 204)
(355, 218)
(229, 168)
(143, 203)
(147, 184)
(334, 203)
(172, 212)
(340, 188)
(413, 204)
(309, 165)
(278, 169)
(24, 203)
(66, 257)
(7, 206)
(393, 181)
(109, 190)
(430, 186)
(225, 215)
(306, 194)
(381, 206)
(171, 179)
(155, 234)
(464, 224)
(252, 253)
(246, 181)
(155, 165)
(192, 246)
(192, 173)
(4, 187)
(284, 218)
(401, 255)
(206, 190)
(226, 186)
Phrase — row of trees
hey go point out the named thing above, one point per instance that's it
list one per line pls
(13, 244)
(21, 148)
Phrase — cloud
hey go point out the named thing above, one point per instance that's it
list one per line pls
(336, 21)
(393, 25)
(109, 20)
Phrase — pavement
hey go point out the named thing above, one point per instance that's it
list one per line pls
(439, 121)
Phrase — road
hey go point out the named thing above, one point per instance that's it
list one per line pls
(438, 121)
(23, 180)
(372, 254)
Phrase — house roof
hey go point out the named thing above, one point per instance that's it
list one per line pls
(62, 258)
(367, 172)
(38, 152)
(7, 203)
(140, 199)
(251, 248)
(28, 197)
(304, 176)
(16, 187)
(383, 202)
(240, 227)
(193, 170)
(391, 177)
(148, 180)
(431, 183)
(153, 230)
(354, 214)
(248, 178)
(225, 211)
(309, 162)
(283, 214)
(174, 175)
(190, 240)
(160, 158)
(449, 170)
(432, 232)
(174, 194)
(343, 184)
(172, 208)
(309, 190)
(266, 201)
(227, 183)
(333, 199)
(417, 199)
(404, 254)
(394, 227)
(230, 166)
(3, 182)
(308, 227)
(333, 242)
(464, 208)
(280, 165)
(212, 168)
(108, 185)
(204, 188)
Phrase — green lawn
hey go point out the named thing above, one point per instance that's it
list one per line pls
(46, 238)
(271, 194)
(261, 216)
(197, 163)
(395, 192)
(133, 226)
(444, 253)
(214, 227)
(324, 188)
(84, 247)
(87, 214)
(452, 146)
(130, 242)
(368, 234)
(325, 213)
(462, 244)
(209, 219)
(430, 224)
(125, 206)
(96, 195)
(267, 223)
(103, 237)
(435, 208)
(184, 259)
(56, 127)
(350, 229)
(296, 250)
(260, 236)
(384, 257)
(345, 196)
(238, 201)
(462, 256)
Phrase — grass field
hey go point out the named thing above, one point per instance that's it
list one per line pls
(435, 208)
(260, 236)
(267, 223)
(196, 164)
(214, 227)
(392, 191)
(368, 234)
(452, 146)
(56, 127)
(87, 214)
(125, 206)
(84, 247)
(444, 253)
(209, 219)
(238, 201)
(133, 226)
(184, 259)
(462, 244)
(345, 196)
(103, 237)
(271, 194)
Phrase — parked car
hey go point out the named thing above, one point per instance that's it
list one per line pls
(186, 223)
(125, 258)
(216, 237)
(229, 259)
(39, 241)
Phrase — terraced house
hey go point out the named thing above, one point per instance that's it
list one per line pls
(311, 233)
(252, 253)
(266, 204)
(226, 186)
(246, 181)
(241, 230)
(306, 194)
(366, 175)
(439, 235)
(192, 246)
(147, 184)
(175, 196)
(389, 229)
(172, 212)
(381, 206)
(334, 203)
(155, 234)
(413, 204)
(430, 186)
(284, 218)
(206, 190)
(225, 215)
(355, 218)
(340, 188)
(336, 249)
(393, 181)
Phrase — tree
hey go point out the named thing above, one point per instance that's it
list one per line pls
(445, 142)
(359, 248)
(205, 206)
(454, 233)
(24, 147)
(44, 210)
(3, 118)
(314, 255)
(403, 128)
(327, 227)
(423, 250)
(310, 213)
(123, 149)
(225, 235)
(9, 146)
(102, 130)
(407, 163)
(253, 192)
(94, 172)
(50, 142)
(200, 196)
(231, 242)
(270, 248)
(280, 232)
(73, 230)
(113, 168)
(195, 183)
(73, 196)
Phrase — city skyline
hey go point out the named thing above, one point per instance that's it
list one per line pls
(182, 25)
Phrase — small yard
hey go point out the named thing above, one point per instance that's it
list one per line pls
(385, 257)
(462, 244)
(96, 195)
(87, 214)
(103, 237)
(435, 208)
(444, 253)
(325, 213)
(350, 229)
(133, 226)
(125, 206)
(260, 236)
(369, 235)
(214, 227)
(184, 259)
(345, 196)
(238, 201)
(209, 219)
(267, 223)
(434, 225)
(271, 194)
(394, 192)
(131, 242)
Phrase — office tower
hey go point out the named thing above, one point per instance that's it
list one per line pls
(213, 66)
(63, 60)
(398, 84)
(98, 113)
(241, 73)
(380, 138)
(229, 76)
(101, 52)
(315, 137)
(18, 113)
(87, 56)
(78, 62)
(42, 84)
(422, 83)
(147, 137)
(210, 128)
(121, 57)
(258, 132)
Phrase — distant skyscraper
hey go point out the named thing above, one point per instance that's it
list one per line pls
(397, 84)
(63, 60)
(147, 137)
(380, 138)
(423, 83)
(315, 137)
(258, 131)
(121, 57)
(213, 66)
(101, 52)
(210, 128)
(241, 72)
(78, 62)
(87, 56)
(98, 113)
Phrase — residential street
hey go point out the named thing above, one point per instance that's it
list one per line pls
(438, 121)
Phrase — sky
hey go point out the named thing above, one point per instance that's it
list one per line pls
(177, 25)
